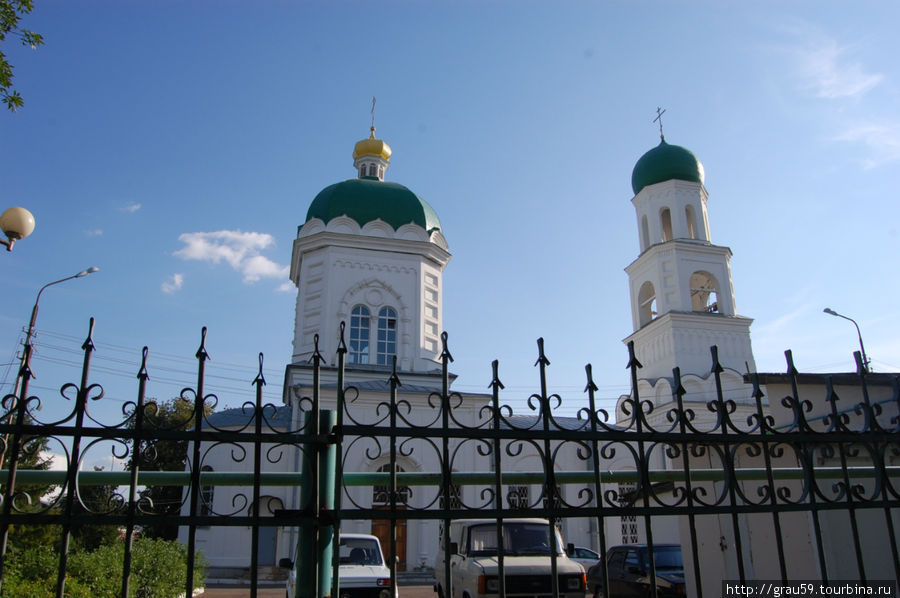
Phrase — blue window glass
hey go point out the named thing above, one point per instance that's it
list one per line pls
(387, 335)
(359, 335)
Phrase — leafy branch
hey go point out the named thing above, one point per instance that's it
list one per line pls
(11, 11)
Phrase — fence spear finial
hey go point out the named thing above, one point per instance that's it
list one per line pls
(445, 347)
(342, 346)
(88, 344)
(142, 373)
(591, 387)
(789, 357)
(201, 352)
(260, 379)
(632, 359)
(542, 357)
(495, 380)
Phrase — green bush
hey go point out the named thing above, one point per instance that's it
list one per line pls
(157, 571)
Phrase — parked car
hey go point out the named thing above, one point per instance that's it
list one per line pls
(527, 548)
(585, 556)
(628, 571)
(362, 573)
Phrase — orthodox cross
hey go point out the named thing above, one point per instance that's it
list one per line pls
(373, 113)
(659, 113)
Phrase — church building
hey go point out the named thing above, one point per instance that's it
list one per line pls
(368, 263)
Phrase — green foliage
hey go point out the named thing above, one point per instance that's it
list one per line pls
(31, 451)
(158, 571)
(95, 499)
(167, 455)
(26, 536)
(11, 11)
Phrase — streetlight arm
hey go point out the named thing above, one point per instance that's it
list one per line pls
(37, 299)
(862, 348)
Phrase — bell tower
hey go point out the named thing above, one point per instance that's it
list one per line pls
(682, 297)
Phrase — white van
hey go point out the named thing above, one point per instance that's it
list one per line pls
(527, 545)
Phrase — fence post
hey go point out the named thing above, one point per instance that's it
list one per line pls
(314, 543)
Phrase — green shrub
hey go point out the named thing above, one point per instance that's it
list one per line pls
(157, 571)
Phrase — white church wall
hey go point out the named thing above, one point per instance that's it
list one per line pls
(229, 546)
(344, 274)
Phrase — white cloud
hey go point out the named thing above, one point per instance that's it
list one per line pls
(241, 250)
(882, 140)
(828, 70)
(131, 208)
(286, 287)
(96, 232)
(171, 286)
(57, 462)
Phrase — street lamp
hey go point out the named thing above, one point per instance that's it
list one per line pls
(865, 360)
(16, 223)
(34, 310)
(26, 355)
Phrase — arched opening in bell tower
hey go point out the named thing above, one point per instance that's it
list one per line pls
(647, 303)
(704, 292)
(645, 233)
(665, 218)
(691, 221)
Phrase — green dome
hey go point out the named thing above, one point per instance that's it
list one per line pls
(367, 199)
(665, 162)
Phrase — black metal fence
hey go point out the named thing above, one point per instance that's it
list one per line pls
(767, 488)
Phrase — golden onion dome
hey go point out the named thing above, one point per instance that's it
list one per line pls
(372, 147)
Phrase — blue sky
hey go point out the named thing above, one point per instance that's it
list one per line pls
(177, 146)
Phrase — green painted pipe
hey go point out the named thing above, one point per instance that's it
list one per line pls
(268, 478)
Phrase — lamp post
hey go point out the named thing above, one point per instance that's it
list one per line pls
(865, 360)
(26, 354)
(16, 223)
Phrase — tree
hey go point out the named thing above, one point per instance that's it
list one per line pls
(11, 11)
(98, 500)
(32, 455)
(166, 455)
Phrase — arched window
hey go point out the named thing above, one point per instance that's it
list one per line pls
(381, 495)
(665, 218)
(704, 292)
(691, 221)
(645, 233)
(207, 493)
(387, 335)
(646, 303)
(362, 171)
(359, 335)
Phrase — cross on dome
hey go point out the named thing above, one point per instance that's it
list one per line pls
(659, 113)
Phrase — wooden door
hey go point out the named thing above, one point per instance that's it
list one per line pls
(381, 528)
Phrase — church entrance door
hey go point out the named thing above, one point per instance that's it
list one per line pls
(381, 528)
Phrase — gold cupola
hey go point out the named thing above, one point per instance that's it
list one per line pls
(371, 157)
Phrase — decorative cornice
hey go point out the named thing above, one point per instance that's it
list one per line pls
(685, 246)
(377, 228)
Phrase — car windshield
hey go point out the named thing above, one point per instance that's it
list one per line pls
(360, 551)
(518, 539)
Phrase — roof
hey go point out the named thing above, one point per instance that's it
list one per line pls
(368, 199)
(240, 416)
(837, 378)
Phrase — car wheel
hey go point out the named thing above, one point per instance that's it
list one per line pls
(598, 593)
